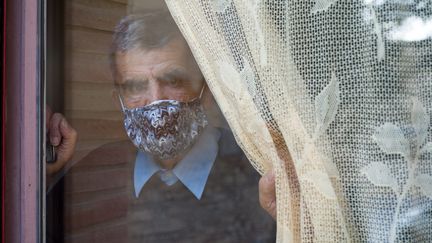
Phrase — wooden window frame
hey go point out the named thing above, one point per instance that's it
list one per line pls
(23, 121)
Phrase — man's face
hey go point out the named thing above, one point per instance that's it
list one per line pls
(166, 73)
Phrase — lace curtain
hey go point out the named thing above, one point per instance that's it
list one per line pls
(336, 96)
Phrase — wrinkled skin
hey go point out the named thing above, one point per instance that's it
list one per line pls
(63, 137)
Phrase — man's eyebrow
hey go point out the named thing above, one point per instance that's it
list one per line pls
(175, 74)
(132, 82)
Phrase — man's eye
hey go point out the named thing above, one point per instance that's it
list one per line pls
(135, 89)
(174, 83)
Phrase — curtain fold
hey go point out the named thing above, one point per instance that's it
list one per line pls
(336, 97)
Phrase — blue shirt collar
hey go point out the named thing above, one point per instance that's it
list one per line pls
(193, 170)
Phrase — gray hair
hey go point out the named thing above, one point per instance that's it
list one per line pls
(144, 31)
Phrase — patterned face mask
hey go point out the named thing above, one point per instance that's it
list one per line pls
(165, 128)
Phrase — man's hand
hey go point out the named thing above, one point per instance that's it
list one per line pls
(267, 193)
(63, 137)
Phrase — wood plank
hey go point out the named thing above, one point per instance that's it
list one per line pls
(76, 182)
(89, 129)
(88, 197)
(97, 14)
(107, 234)
(94, 144)
(121, 1)
(87, 40)
(137, 6)
(88, 216)
(89, 97)
(86, 114)
(85, 147)
(88, 67)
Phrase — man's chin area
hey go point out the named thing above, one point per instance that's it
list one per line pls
(170, 163)
(167, 163)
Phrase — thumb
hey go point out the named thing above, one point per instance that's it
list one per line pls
(267, 193)
(65, 149)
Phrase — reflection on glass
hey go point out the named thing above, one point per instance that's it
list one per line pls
(404, 24)
(155, 160)
(412, 28)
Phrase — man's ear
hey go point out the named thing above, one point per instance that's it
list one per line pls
(115, 99)
(212, 110)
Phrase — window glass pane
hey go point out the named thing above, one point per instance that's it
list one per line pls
(154, 161)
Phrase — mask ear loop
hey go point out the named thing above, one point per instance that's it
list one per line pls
(202, 91)
(200, 95)
(121, 103)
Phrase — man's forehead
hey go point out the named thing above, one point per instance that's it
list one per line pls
(172, 57)
(167, 73)
(176, 49)
(155, 64)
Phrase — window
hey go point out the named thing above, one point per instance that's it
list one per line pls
(154, 160)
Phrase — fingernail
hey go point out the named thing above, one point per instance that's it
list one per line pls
(63, 124)
(55, 141)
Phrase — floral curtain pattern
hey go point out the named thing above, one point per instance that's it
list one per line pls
(336, 96)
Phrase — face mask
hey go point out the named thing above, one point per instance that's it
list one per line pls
(165, 128)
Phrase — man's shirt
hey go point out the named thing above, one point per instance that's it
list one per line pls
(101, 204)
(193, 170)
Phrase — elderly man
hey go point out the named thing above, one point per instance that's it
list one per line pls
(182, 179)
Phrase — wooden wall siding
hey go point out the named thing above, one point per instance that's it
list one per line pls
(89, 107)
(88, 85)
(87, 67)
(94, 14)
(88, 40)
(97, 118)
(90, 96)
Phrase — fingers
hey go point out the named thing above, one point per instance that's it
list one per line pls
(54, 129)
(64, 137)
(68, 134)
(267, 193)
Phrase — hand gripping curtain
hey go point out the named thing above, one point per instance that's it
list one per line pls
(336, 97)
